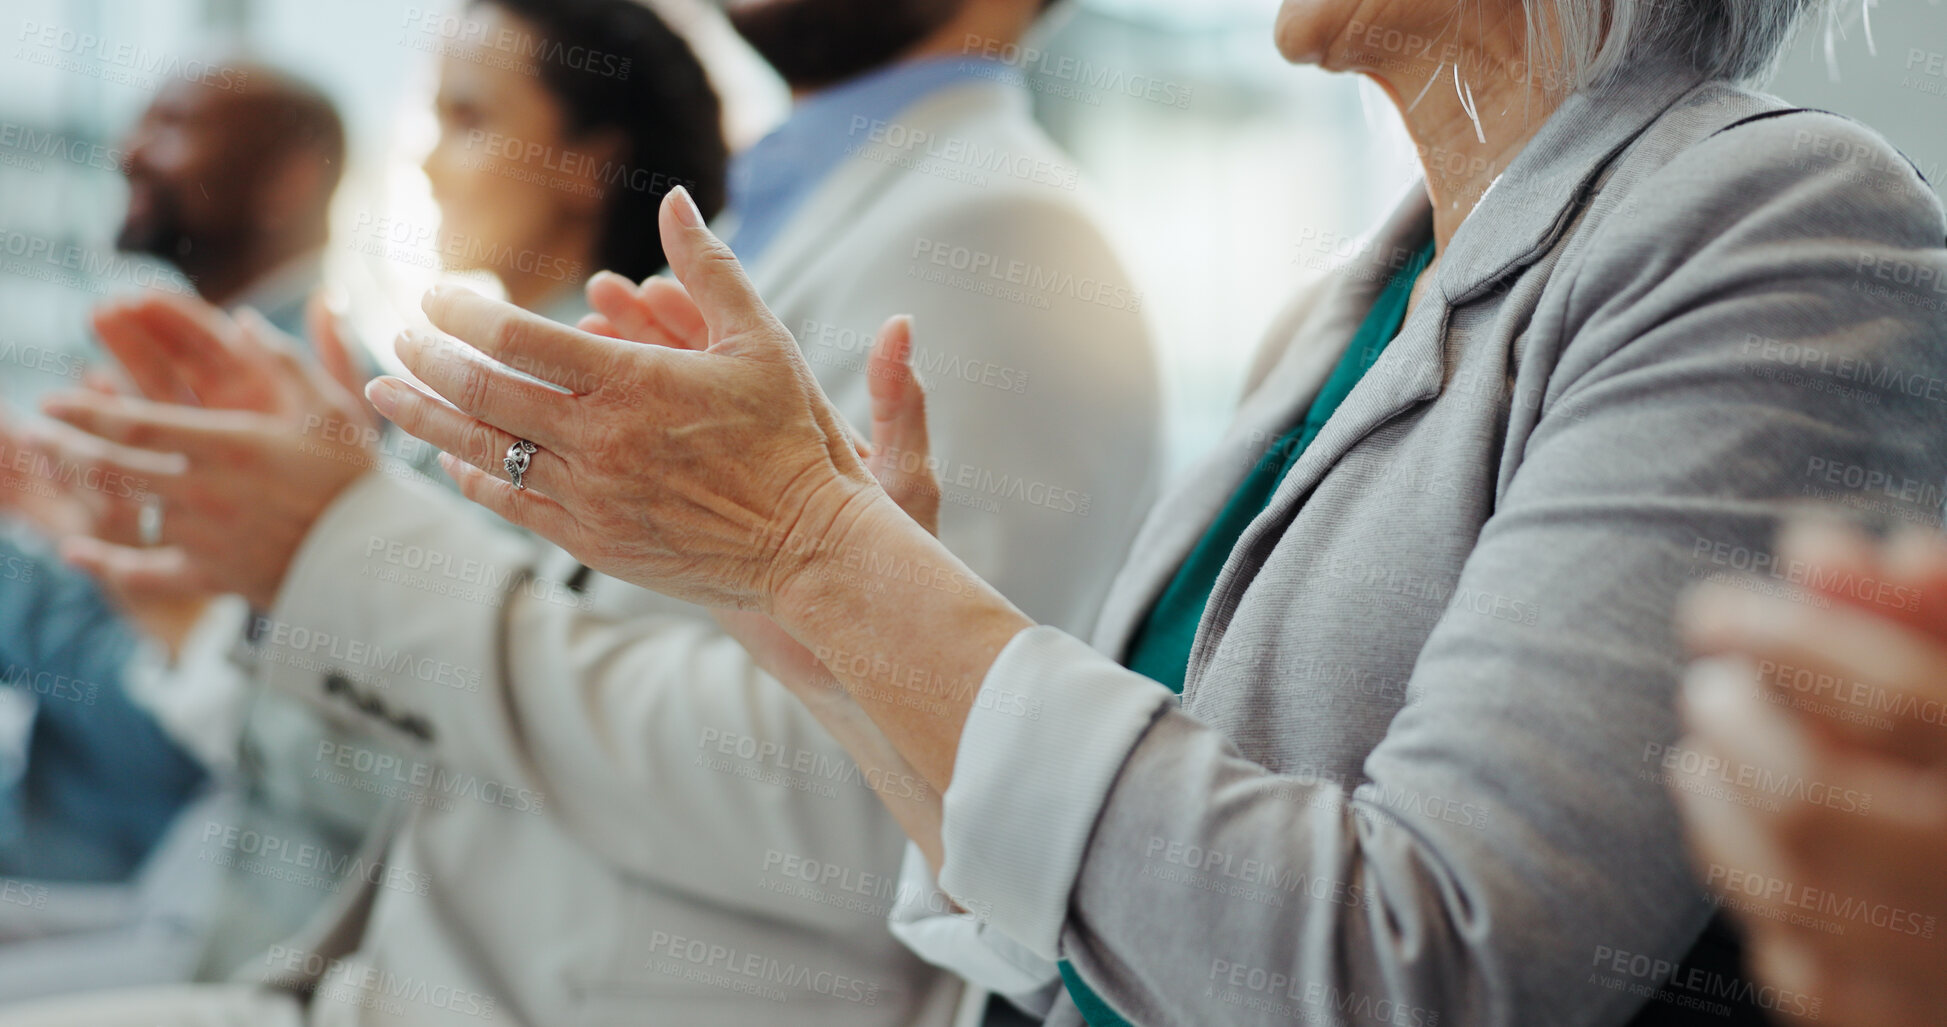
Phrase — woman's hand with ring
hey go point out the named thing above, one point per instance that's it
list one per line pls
(899, 455)
(254, 440)
(710, 468)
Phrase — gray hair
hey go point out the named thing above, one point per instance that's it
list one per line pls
(1739, 40)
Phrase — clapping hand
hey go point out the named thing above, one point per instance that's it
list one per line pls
(260, 439)
(708, 466)
(1828, 712)
(659, 312)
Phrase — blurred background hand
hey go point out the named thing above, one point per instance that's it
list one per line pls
(263, 438)
(1822, 823)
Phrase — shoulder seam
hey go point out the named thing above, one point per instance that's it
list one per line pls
(1767, 115)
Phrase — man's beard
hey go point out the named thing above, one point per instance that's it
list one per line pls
(158, 231)
(815, 43)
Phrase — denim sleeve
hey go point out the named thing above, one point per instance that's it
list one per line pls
(102, 779)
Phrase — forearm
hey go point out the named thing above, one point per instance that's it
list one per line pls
(904, 626)
(916, 810)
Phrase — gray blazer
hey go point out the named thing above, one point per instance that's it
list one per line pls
(1417, 774)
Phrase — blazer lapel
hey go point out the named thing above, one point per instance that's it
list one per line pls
(1527, 209)
(1519, 219)
(1175, 524)
(1410, 372)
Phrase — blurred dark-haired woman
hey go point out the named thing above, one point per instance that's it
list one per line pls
(561, 125)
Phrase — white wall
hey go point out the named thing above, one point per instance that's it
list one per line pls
(1211, 174)
(1901, 90)
(1212, 198)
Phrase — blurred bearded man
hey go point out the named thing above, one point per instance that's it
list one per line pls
(231, 180)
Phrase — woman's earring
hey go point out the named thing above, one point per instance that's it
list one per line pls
(1466, 94)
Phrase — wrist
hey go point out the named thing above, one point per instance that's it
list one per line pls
(820, 577)
(296, 530)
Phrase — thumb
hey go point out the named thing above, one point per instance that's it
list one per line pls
(128, 571)
(901, 446)
(1918, 556)
(713, 276)
(106, 382)
(328, 341)
(141, 364)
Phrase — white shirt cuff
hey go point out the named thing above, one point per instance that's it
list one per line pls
(200, 700)
(924, 918)
(1051, 709)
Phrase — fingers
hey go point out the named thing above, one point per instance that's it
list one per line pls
(282, 369)
(100, 486)
(1800, 807)
(525, 508)
(1826, 542)
(143, 358)
(483, 390)
(616, 300)
(108, 381)
(287, 371)
(1771, 852)
(666, 298)
(1719, 704)
(613, 297)
(61, 449)
(1918, 557)
(443, 427)
(190, 335)
(143, 424)
(724, 296)
(596, 324)
(527, 342)
(328, 341)
(1854, 675)
(131, 571)
(335, 374)
(1904, 580)
(898, 400)
(901, 447)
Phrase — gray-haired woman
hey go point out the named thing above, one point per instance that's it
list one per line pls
(1376, 719)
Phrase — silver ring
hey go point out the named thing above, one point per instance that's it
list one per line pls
(520, 456)
(148, 520)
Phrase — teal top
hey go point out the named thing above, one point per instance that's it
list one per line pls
(1161, 647)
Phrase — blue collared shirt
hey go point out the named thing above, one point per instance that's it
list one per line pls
(771, 179)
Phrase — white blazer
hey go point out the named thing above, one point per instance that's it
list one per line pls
(611, 815)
